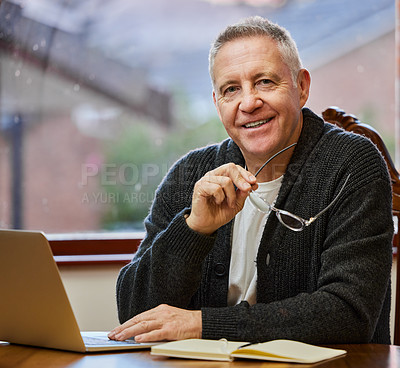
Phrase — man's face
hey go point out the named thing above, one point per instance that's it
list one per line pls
(255, 96)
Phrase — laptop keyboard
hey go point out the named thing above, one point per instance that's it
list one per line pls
(90, 341)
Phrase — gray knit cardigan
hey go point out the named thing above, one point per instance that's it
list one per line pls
(329, 283)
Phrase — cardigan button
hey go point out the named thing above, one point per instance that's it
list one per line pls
(220, 269)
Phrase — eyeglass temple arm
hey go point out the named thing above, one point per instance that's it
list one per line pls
(312, 219)
(272, 157)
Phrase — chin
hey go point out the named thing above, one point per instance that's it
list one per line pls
(259, 153)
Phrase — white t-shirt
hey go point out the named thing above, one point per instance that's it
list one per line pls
(247, 231)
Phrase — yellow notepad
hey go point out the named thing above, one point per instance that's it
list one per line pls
(276, 350)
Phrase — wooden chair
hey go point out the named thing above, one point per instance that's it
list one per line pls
(349, 122)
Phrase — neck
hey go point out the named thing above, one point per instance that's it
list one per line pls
(273, 167)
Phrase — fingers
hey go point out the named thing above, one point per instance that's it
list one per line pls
(133, 329)
(240, 177)
(161, 323)
(218, 187)
(218, 196)
(141, 323)
(220, 183)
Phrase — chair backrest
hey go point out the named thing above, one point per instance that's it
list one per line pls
(350, 123)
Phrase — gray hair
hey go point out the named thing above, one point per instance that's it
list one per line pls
(258, 26)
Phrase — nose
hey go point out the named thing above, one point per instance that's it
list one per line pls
(250, 101)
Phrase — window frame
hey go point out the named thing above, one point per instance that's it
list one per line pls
(94, 248)
(91, 249)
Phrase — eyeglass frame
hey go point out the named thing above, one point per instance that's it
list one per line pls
(303, 222)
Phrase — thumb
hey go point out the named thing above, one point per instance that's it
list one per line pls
(240, 199)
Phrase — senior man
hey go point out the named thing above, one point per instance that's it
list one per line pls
(284, 230)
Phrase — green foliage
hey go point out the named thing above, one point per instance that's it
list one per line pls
(141, 157)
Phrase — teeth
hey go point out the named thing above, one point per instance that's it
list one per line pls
(257, 123)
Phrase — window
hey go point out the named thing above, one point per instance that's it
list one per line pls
(99, 98)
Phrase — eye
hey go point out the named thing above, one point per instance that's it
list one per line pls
(230, 90)
(265, 81)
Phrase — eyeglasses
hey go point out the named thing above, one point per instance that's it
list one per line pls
(286, 218)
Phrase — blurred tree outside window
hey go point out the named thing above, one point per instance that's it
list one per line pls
(98, 99)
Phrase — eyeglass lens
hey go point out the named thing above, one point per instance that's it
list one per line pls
(290, 221)
(286, 218)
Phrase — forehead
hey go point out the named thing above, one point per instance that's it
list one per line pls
(248, 53)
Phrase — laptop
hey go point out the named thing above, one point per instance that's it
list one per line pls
(35, 309)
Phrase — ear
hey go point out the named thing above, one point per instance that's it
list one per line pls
(303, 84)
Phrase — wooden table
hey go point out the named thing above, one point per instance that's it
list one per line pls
(13, 356)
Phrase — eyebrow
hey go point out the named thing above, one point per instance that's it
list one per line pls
(269, 75)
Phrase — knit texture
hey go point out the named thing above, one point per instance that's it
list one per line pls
(328, 284)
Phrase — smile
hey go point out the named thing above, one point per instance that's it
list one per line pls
(257, 123)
